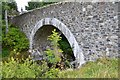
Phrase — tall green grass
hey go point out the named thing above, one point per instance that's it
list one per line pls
(102, 68)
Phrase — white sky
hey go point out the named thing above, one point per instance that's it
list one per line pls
(21, 4)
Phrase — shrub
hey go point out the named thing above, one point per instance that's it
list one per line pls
(15, 39)
(65, 46)
(52, 73)
(67, 50)
(54, 54)
(5, 52)
(22, 69)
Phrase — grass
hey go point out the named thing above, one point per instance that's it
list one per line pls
(102, 68)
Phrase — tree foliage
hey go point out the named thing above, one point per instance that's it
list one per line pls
(33, 5)
(11, 7)
(15, 39)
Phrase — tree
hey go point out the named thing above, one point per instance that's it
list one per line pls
(33, 5)
(11, 8)
(6, 17)
(8, 9)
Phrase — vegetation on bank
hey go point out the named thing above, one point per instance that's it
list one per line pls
(14, 42)
(102, 68)
(18, 65)
(26, 68)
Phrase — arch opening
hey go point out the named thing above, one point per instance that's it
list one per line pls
(66, 48)
(41, 43)
(78, 54)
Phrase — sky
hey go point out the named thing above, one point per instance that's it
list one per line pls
(21, 4)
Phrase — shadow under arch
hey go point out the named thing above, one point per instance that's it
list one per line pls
(78, 54)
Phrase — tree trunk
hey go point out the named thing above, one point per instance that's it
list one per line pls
(6, 20)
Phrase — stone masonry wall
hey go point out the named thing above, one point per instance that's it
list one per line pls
(94, 25)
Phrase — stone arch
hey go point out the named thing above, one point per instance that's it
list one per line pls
(67, 33)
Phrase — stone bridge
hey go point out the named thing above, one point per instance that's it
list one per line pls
(90, 28)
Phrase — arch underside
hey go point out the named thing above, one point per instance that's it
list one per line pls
(40, 41)
(66, 32)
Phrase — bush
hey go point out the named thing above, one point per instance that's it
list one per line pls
(22, 69)
(5, 52)
(67, 50)
(65, 46)
(15, 39)
(52, 73)
(54, 54)
(14, 68)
